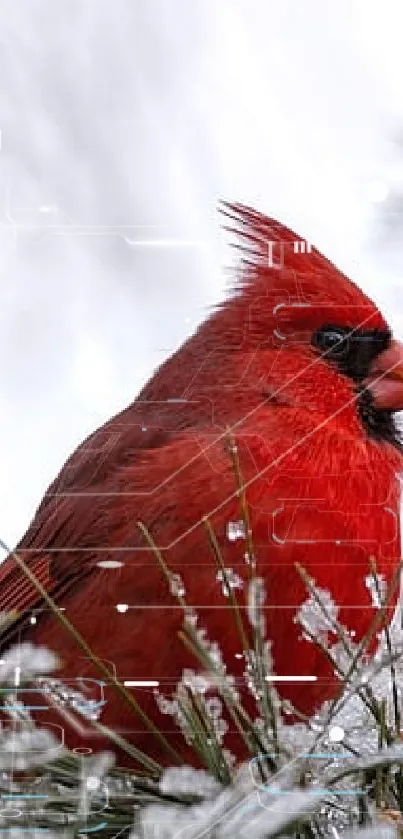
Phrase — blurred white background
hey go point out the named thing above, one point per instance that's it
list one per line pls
(127, 120)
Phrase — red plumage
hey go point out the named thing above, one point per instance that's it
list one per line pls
(321, 491)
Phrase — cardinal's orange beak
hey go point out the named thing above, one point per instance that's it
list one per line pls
(385, 379)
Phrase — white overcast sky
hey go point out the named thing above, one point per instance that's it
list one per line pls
(127, 120)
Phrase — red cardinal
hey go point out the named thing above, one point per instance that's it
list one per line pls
(301, 366)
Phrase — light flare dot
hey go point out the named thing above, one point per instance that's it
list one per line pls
(336, 734)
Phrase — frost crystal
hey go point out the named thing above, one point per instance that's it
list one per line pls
(373, 586)
(229, 758)
(91, 709)
(185, 780)
(191, 616)
(235, 530)
(212, 648)
(173, 709)
(341, 657)
(311, 616)
(251, 674)
(249, 559)
(214, 709)
(166, 706)
(232, 578)
(196, 681)
(176, 585)
(214, 706)
(19, 750)
(236, 813)
(256, 598)
(27, 660)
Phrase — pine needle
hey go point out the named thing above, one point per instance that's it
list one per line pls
(232, 449)
(245, 644)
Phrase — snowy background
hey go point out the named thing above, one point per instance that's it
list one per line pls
(123, 122)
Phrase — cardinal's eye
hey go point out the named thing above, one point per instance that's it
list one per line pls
(332, 340)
